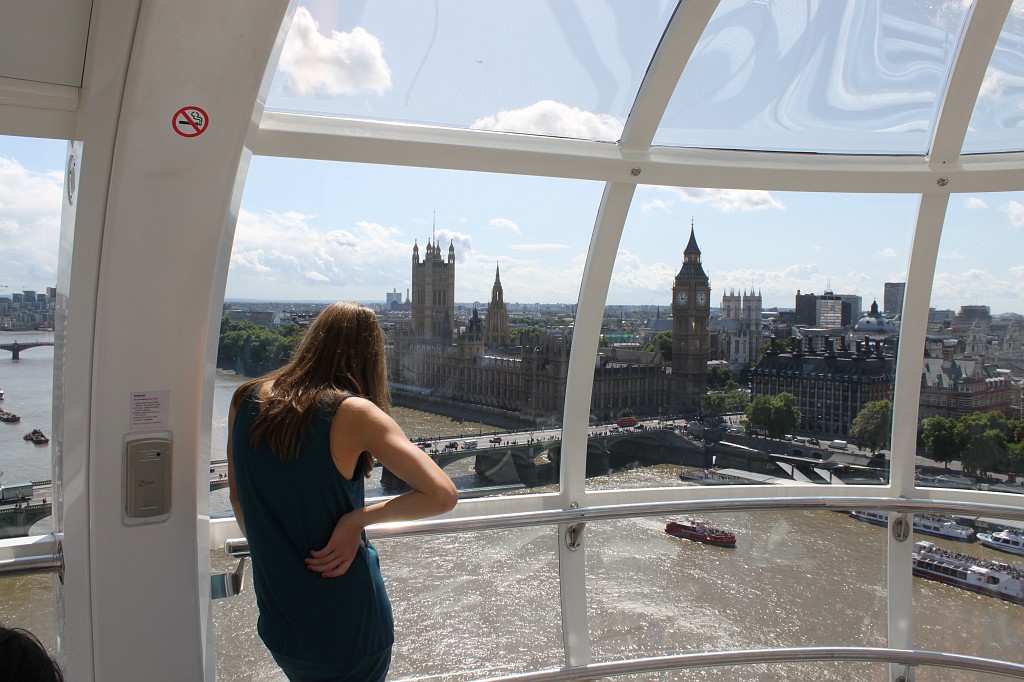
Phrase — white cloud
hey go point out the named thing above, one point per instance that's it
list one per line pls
(659, 204)
(951, 290)
(536, 247)
(30, 206)
(462, 242)
(284, 256)
(975, 202)
(993, 85)
(548, 117)
(523, 279)
(634, 280)
(505, 224)
(800, 271)
(952, 255)
(725, 200)
(338, 64)
(887, 253)
(1015, 211)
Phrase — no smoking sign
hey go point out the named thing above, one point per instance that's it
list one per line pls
(190, 121)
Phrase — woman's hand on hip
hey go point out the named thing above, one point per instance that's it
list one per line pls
(335, 558)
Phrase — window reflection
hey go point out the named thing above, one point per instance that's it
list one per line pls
(859, 77)
(568, 69)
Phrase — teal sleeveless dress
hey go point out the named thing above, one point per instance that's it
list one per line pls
(316, 628)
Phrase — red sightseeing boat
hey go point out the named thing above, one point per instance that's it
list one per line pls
(695, 529)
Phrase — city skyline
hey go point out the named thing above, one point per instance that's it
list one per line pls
(279, 249)
(317, 230)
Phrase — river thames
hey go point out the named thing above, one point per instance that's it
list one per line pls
(475, 605)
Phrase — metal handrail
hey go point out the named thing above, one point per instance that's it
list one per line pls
(623, 511)
(55, 561)
(239, 547)
(908, 657)
(52, 562)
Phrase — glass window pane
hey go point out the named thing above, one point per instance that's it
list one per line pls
(465, 606)
(570, 69)
(846, 77)
(970, 403)
(767, 592)
(968, 596)
(722, 303)
(474, 277)
(27, 602)
(996, 122)
(31, 187)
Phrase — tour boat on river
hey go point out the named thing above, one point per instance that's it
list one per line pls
(9, 417)
(993, 578)
(926, 524)
(700, 531)
(1009, 540)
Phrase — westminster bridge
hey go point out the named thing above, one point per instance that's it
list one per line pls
(531, 457)
(16, 347)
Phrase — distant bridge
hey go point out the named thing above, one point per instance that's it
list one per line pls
(513, 458)
(15, 348)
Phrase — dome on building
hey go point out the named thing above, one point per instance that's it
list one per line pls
(874, 324)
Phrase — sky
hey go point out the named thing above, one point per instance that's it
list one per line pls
(312, 230)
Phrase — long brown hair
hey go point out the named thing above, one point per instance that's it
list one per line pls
(342, 354)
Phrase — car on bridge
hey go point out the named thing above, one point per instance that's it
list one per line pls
(496, 439)
(454, 445)
(469, 445)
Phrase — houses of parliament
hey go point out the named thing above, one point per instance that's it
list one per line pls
(431, 355)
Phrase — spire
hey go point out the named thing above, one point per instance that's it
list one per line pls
(691, 246)
(497, 273)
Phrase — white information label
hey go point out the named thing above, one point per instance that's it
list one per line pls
(149, 410)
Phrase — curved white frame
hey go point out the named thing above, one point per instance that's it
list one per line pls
(144, 58)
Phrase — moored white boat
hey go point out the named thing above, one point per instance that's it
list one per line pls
(926, 524)
(1009, 540)
(993, 578)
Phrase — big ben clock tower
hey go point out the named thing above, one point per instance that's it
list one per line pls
(691, 309)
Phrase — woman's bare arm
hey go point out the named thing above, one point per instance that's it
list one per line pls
(362, 426)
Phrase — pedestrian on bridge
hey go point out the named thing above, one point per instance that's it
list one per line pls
(301, 441)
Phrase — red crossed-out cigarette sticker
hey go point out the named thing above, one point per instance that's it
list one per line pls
(190, 121)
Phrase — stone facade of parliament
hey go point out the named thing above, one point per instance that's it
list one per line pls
(429, 355)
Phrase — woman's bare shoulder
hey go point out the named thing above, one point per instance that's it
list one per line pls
(357, 407)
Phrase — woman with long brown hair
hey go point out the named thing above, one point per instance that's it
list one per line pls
(301, 441)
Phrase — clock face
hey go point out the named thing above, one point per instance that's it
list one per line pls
(681, 298)
(702, 298)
